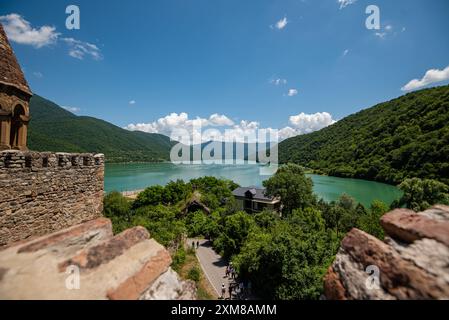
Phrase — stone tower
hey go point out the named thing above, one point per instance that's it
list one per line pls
(14, 99)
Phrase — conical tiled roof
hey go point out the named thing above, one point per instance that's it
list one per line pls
(10, 72)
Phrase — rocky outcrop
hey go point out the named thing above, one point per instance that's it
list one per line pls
(412, 262)
(87, 262)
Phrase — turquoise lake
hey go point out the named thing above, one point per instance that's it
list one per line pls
(137, 176)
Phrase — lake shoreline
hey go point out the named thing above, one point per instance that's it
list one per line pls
(132, 178)
(306, 170)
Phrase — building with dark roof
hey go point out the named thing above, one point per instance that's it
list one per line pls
(253, 200)
(15, 96)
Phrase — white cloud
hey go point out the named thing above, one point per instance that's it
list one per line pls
(281, 24)
(38, 74)
(298, 124)
(132, 102)
(292, 92)
(220, 120)
(287, 132)
(345, 3)
(278, 81)
(79, 49)
(173, 121)
(431, 76)
(386, 31)
(72, 109)
(381, 35)
(306, 123)
(20, 30)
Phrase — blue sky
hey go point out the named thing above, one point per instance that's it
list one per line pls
(236, 59)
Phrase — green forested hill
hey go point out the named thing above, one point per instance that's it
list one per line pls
(405, 137)
(52, 128)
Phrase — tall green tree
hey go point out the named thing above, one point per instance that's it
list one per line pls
(420, 194)
(235, 230)
(289, 259)
(370, 221)
(162, 223)
(292, 186)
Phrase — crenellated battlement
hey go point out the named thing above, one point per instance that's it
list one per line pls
(15, 159)
(44, 192)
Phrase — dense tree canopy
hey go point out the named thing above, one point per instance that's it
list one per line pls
(404, 138)
(420, 194)
(284, 257)
(53, 128)
(292, 186)
(288, 259)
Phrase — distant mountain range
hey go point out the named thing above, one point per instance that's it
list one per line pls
(53, 128)
(402, 138)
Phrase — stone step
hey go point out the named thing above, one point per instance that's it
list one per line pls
(71, 239)
(106, 251)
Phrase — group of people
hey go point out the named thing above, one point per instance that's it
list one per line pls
(239, 290)
(230, 271)
(197, 244)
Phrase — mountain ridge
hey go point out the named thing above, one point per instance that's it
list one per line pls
(53, 128)
(402, 138)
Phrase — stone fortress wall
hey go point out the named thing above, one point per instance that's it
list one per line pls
(51, 218)
(44, 192)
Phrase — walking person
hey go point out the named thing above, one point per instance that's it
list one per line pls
(193, 244)
(197, 244)
(241, 290)
(223, 290)
(227, 272)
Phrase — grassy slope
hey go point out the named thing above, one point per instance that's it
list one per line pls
(52, 128)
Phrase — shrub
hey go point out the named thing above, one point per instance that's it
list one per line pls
(179, 258)
(194, 274)
(117, 208)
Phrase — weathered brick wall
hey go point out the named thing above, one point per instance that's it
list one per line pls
(42, 193)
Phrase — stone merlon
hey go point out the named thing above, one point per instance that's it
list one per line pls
(44, 192)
